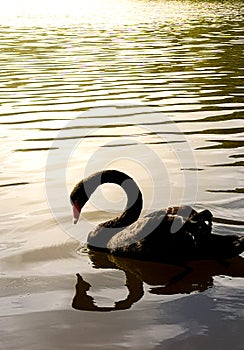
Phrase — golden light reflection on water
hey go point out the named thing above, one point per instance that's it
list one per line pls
(29, 7)
(25, 11)
(55, 12)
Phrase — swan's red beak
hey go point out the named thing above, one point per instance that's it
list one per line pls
(76, 211)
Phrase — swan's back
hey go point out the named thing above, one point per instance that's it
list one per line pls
(136, 232)
(150, 239)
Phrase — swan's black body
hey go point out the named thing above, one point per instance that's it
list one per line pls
(175, 234)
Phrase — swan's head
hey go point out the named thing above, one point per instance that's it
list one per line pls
(84, 189)
(78, 199)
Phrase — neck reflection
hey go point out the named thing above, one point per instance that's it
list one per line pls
(164, 279)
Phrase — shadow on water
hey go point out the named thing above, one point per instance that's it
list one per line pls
(164, 279)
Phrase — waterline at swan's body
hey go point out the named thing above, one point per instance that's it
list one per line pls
(175, 234)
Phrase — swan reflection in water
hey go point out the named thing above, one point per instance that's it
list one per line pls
(165, 279)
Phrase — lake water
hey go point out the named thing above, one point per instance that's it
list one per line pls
(151, 88)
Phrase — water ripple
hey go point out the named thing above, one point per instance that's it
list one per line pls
(186, 66)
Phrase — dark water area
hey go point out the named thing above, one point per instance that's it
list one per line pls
(151, 88)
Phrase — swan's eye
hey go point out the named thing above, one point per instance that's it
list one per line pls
(207, 222)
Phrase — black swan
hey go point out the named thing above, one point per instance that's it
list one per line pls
(176, 234)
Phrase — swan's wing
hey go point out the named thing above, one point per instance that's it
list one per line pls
(137, 231)
(155, 214)
(184, 211)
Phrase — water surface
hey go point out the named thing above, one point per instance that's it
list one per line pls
(152, 88)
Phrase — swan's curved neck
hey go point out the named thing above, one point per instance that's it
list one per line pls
(84, 189)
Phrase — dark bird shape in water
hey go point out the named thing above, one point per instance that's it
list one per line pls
(176, 234)
(163, 279)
